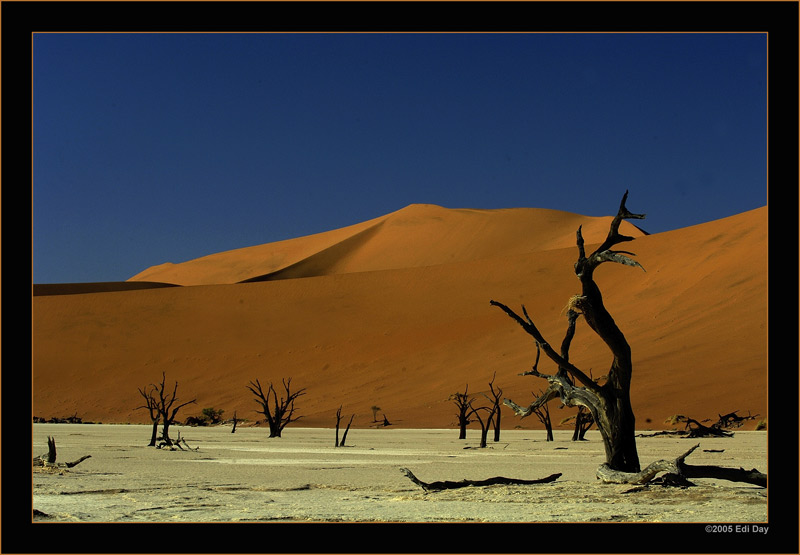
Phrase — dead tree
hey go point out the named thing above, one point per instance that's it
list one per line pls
(282, 411)
(583, 421)
(235, 421)
(610, 403)
(696, 429)
(152, 406)
(495, 400)
(733, 420)
(165, 405)
(48, 460)
(462, 402)
(475, 411)
(542, 412)
(338, 420)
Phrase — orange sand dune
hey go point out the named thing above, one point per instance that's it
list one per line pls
(390, 319)
(418, 235)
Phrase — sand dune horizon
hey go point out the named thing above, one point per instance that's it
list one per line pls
(394, 312)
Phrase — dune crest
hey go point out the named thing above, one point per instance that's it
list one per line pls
(415, 236)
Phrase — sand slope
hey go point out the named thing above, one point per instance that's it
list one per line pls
(395, 312)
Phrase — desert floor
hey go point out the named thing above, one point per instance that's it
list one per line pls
(302, 477)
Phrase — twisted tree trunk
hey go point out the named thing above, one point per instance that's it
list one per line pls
(609, 404)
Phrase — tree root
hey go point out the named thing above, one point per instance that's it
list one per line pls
(679, 473)
(447, 484)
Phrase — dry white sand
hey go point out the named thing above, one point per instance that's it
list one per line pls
(246, 477)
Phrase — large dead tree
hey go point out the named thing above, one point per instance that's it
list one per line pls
(278, 412)
(610, 403)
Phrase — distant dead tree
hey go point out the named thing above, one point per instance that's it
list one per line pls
(495, 400)
(583, 421)
(375, 409)
(609, 403)
(338, 420)
(485, 425)
(697, 429)
(161, 405)
(278, 412)
(542, 412)
(235, 421)
(733, 420)
(462, 402)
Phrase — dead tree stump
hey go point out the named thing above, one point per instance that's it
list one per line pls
(48, 460)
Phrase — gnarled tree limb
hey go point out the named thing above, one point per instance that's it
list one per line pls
(447, 484)
(682, 471)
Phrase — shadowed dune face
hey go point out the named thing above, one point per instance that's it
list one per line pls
(395, 312)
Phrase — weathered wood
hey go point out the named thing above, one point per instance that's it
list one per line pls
(347, 429)
(338, 421)
(609, 404)
(681, 472)
(752, 476)
(48, 460)
(497, 480)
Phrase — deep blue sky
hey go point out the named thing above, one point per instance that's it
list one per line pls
(152, 148)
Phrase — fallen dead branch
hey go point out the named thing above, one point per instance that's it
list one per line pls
(679, 473)
(497, 480)
(177, 443)
(48, 460)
